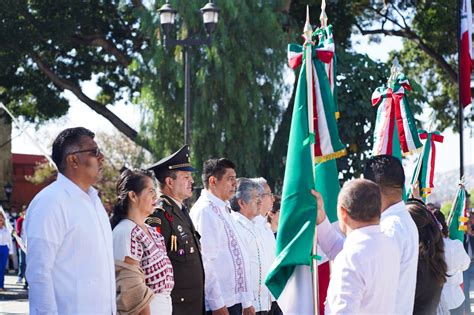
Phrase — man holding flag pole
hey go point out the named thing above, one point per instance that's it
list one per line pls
(313, 137)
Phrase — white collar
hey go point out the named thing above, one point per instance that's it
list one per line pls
(216, 200)
(73, 188)
(393, 209)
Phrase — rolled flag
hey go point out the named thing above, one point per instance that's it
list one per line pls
(465, 53)
(425, 167)
(457, 218)
(394, 111)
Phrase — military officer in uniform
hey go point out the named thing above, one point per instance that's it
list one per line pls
(171, 219)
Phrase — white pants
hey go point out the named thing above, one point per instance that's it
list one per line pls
(161, 304)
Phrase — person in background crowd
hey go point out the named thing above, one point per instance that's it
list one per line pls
(395, 221)
(13, 261)
(431, 273)
(226, 265)
(138, 245)
(6, 249)
(468, 247)
(22, 254)
(265, 231)
(246, 205)
(69, 261)
(171, 219)
(457, 260)
(273, 215)
(365, 273)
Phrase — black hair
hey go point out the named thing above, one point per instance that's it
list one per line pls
(130, 180)
(276, 207)
(66, 139)
(362, 200)
(431, 244)
(385, 170)
(442, 220)
(216, 168)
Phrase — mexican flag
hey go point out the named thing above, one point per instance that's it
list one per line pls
(465, 58)
(457, 218)
(289, 279)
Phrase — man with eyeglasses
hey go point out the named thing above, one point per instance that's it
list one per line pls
(266, 233)
(70, 267)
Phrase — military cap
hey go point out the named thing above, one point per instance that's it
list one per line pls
(178, 161)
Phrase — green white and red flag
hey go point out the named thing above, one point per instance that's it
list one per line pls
(425, 166)
(313, 138)
(394, 114)
(457, 218)
(465, 53)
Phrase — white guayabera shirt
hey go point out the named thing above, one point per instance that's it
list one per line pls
(226, 264)
(70, 266)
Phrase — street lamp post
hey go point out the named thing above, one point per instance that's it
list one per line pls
(210, 16)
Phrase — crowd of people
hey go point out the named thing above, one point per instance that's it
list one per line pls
(157, 256)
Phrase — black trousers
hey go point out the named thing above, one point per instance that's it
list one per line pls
(233, 310)
(275, 310)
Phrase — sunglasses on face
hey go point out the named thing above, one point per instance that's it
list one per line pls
(96, 152)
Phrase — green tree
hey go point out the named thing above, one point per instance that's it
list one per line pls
(52, 46)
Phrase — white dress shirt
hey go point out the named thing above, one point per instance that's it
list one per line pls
(457, 261)
(396, 223)
(226, 264)
(255, 247)
(70, 265)
(364, 276)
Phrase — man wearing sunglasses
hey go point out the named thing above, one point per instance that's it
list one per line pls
(70, 267)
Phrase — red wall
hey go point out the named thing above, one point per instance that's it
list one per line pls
(23, 190)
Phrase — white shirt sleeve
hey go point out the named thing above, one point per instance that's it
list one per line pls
(459, 261)
(209, 227)
(123, 239)
(347, 286)
(330, 241)
(45, 234)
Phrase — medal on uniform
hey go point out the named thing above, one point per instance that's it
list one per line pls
(181, 252)
(191, 250)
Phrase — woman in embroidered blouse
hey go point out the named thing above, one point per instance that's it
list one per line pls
(6, 248)
(137, 243)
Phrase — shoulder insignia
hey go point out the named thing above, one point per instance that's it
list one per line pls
(165, 200)
(153, 220)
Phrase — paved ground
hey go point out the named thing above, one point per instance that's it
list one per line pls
(14, 300)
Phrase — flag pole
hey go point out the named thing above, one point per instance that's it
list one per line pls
(460, 107)
(308, 33)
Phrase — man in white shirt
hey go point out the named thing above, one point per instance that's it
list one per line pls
(227, 285)
(395, 222)
(265, 230)
(245, 205)
(70, 267)
(364, 276)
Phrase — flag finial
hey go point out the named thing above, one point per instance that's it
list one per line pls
(323, 17)
(308, 31)
(394, 70)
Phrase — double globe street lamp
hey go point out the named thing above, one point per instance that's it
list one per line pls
(210, 16)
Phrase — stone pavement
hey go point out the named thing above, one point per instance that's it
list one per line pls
(14, 300)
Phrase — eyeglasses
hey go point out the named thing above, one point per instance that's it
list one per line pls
(267, 194)
(96, 152)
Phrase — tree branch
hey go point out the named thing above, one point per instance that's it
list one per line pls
(410, 35)
(99, 108)
(100, 41)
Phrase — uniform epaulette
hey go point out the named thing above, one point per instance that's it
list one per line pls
(153, 220)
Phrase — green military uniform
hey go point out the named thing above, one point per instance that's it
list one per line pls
(182, 244)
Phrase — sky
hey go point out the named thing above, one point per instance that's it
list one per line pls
(81, 115)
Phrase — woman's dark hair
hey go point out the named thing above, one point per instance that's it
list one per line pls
(442, 220)
(276, 207)
(431, 246)
(130, 180)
